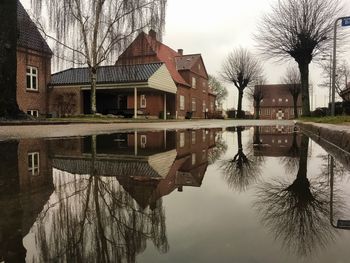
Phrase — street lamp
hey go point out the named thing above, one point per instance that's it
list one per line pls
(345, 21)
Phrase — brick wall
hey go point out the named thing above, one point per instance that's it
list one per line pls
(32, 100)
(65, 101)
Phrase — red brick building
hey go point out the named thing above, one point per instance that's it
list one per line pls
(188, 72)
(33, 66)
(147, 74)
(277, 102)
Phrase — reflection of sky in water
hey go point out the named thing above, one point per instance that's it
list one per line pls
(213, 222)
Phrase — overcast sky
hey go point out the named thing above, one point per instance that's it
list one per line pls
(216, 28)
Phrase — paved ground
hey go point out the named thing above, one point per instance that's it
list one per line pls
(65, 130)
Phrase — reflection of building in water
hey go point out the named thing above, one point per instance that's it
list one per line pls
(25, 186)
(276, 141)
(148, 164)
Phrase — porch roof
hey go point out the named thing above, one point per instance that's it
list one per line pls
(106, 74)
(150, 75)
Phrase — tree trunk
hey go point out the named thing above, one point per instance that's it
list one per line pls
(305, 97)
(257, 113)
(239, 107)
(295, 103)
(93, 90)
(8, 59)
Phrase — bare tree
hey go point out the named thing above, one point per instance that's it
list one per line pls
(8, 63)
(240, 68)
(292, 79)
(341, 78)
(243, 169)
(219, 90)
(298, 213)
(256, 94)
(298, 29)
(93, 31)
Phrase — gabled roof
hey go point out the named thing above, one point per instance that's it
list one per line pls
(106, 74)
(28, 34)
(186, 62)
(150, 46)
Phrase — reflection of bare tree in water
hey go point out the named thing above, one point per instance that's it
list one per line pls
(298, 213)
(291, 161)
(243, 169)
(219, 149)
(96, 220)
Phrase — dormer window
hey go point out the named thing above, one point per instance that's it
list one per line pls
(32, 78)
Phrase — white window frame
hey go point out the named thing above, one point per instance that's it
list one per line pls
(34, 113)
(143, 141)
(268, 113)
(182, 139)
(143, 101)
(204, 106)
(31, 75)
(193, 137)
(193, 157)
(182, 102)
(194, 82)
(34, 169)
(194, 104)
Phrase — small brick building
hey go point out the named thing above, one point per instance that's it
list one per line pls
(277, 102)
(33, 66)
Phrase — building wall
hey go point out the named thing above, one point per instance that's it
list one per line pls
(65, 101)
(28, 99)
(277, 98)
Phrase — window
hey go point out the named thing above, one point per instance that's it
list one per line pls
(204, 86)
(204, 136)
(193, 158)
(199, 66)
(34, 113)
(193, 82)
(204, 106)
(32, 78)
(33, 163)
(143, 141)
(194, 104)
(273, 100)
(279, 100)
(143, 101)
(286, 100)
(193, 137)
(182, 139)
(182, 102)
(268, 112)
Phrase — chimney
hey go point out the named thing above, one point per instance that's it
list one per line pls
(153, 34)
(180, 51)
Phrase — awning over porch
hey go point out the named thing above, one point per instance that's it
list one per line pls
(152, 75)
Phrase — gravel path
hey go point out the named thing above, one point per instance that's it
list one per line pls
(69, 130)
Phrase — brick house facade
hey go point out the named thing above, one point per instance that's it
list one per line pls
(277, 102)
(33, 66)
(188, 72)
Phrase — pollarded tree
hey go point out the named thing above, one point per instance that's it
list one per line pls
(298, 29)
(8, 63)
(94, 31)
(241, 68)
(292, 79)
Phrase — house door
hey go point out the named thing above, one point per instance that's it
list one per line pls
(280, 115)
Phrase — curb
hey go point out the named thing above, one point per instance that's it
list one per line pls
(335, 135)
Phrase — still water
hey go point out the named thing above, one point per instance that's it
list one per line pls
(244, 194)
